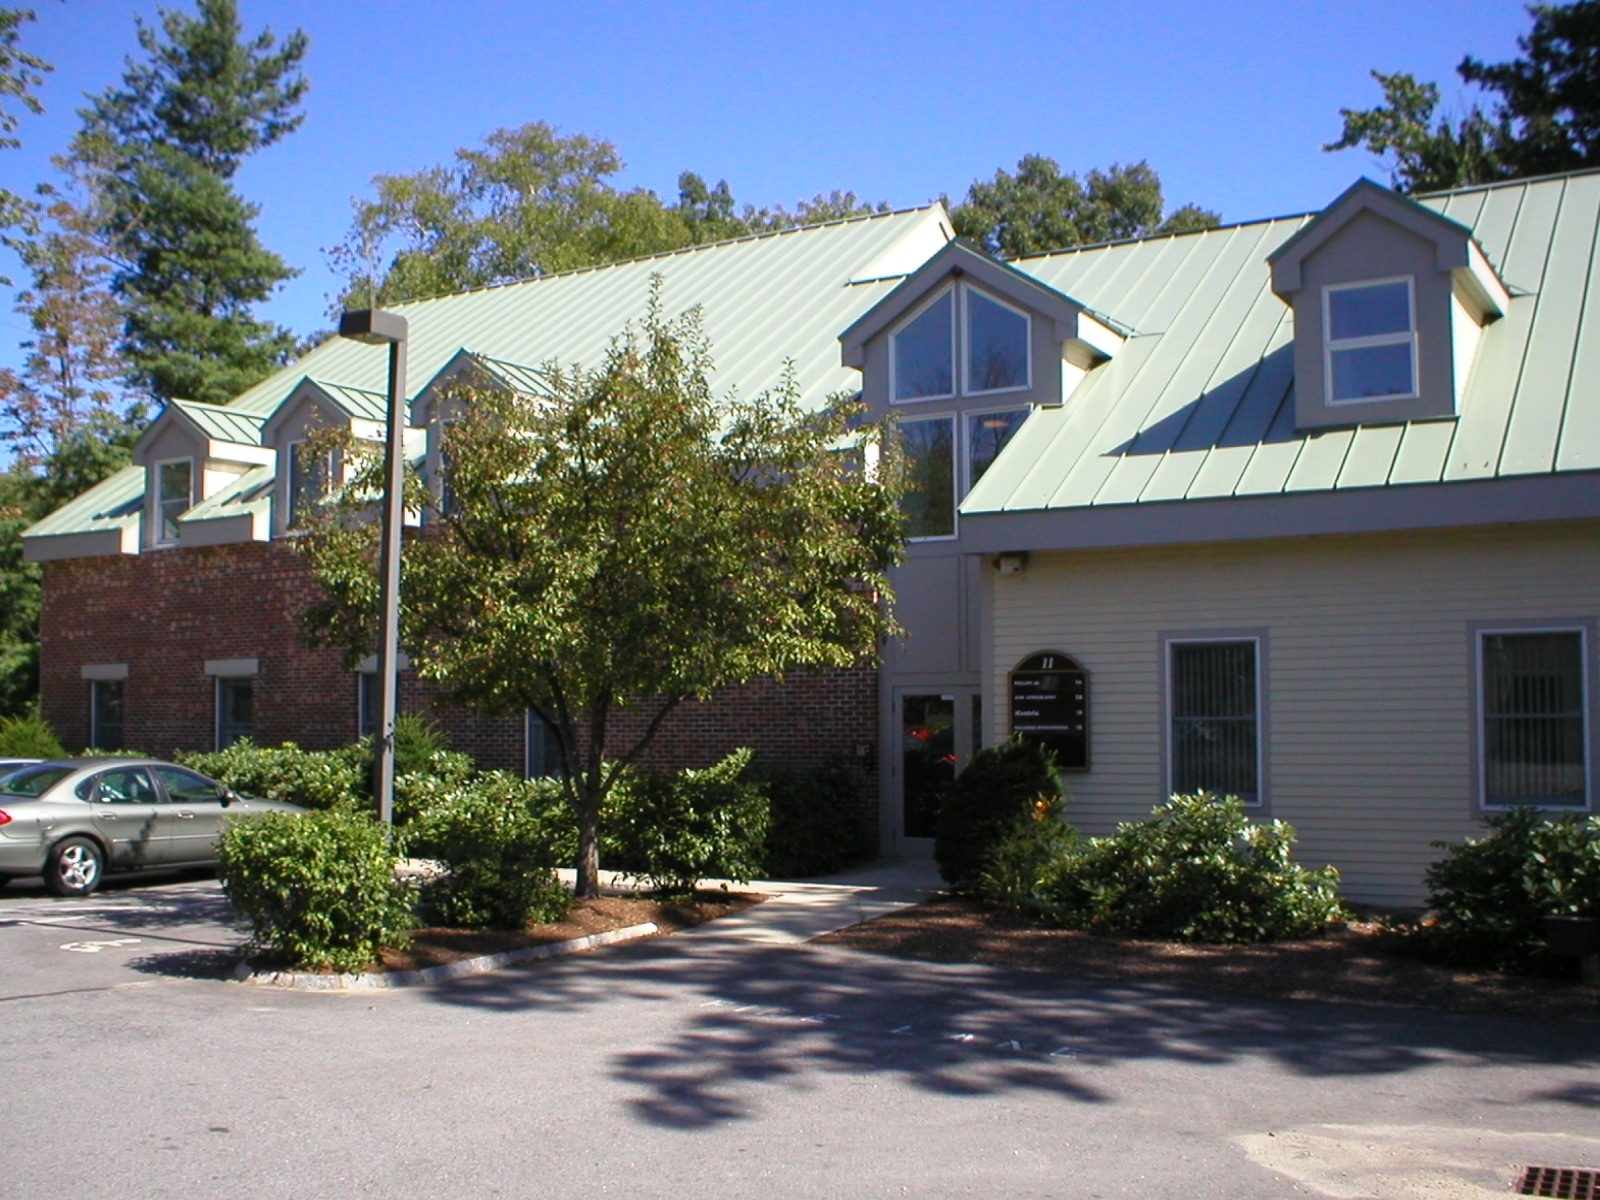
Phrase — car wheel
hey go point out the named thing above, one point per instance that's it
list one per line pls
(74, 868)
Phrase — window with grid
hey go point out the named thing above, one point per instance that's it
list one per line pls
(1534, 719)
(1214, 733)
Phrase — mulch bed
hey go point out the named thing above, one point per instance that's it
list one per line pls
(434, 947)
(1362, 961)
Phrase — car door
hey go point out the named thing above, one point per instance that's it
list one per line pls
(190, 815)
(123, 807)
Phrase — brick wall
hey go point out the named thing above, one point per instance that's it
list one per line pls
(164, 613)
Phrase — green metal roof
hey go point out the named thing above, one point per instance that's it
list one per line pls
(110, 506)
(222, 423)
(1199, 403)
(249, 493)
(765, 300)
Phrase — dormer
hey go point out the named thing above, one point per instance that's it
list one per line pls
(312, 406)
(437, 404)
(961, 352)
(1390, 299)
(190, 453)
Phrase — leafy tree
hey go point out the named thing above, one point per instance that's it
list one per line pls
(1544, 115)
(157, 156)
(625, 539)
(1039, 209)
(20, 73)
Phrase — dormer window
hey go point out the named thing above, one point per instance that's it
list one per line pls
(174, 497)
(310, 478)
(1370, 342)
(993, 352)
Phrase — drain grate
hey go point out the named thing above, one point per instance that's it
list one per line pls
(1563, 1183)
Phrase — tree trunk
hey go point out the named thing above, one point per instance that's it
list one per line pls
(587, 886)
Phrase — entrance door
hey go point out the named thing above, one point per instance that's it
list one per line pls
(939, 732)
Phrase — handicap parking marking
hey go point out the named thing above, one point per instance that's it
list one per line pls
(96, 947)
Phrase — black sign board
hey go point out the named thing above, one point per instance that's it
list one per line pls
(1050, 704)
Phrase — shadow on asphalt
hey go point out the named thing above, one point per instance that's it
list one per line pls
(755, 1014)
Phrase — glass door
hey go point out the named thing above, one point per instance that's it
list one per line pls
(939, 732)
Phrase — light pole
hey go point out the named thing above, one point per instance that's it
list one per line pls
(376, 328)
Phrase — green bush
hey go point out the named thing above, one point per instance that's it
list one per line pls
(499, 838)
(319, 890)
(1000, 786)
(1199, 870)
(816, 821)
(674, 830)
(1024, 869)
(313, 778)
(1490, 894)
(29, 736)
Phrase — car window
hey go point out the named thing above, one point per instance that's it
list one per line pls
(33, 781)
(185, 787)
(124, 785)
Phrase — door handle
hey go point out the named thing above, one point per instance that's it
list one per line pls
(102, 815)
(186, 816)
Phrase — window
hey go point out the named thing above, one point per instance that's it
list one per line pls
(105, 714)
(174, 497)
(310, 477)
(235, 709)
(987, 434)
(994, 350)
(1533, 717)
(543, 750)
(1213, 733)
(929, 500)
(367, 702)
(1370, 342)
(185, 787)
(997, 345)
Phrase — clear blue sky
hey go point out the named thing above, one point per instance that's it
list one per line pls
(1229, 102)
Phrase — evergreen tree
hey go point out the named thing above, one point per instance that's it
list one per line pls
(158, 155)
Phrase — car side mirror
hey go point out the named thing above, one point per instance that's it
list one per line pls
(228, 797)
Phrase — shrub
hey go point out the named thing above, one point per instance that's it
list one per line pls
(1490, 894)
(499, 838)
(1000, 786)
(313, 778)
(319, 890)
(1024, 869)
(674, 830)
(816, 820)
(29, 736)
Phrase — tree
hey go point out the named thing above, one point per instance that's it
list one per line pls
(20, 73)
(157, 156)
(624, 539)
(1544, 116)
(1039, 209)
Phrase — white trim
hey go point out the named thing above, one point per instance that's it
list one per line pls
(158, 524)
(1480, 633)
(103, 671)
(1168, 641)
(232, 668)
(964, 331)
(955, 356)
(1330, 345)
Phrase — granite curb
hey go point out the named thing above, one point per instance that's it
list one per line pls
(377, 980)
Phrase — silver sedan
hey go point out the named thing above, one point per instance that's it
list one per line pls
(72, 821)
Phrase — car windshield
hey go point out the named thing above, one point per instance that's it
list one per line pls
(33, 781)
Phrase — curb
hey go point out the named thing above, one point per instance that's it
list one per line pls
(377, 980)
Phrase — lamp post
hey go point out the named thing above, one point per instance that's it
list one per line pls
(377, 328)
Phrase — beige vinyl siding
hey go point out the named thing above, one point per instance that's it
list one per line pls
(1368, 670)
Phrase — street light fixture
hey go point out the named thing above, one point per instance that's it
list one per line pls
(377, 328)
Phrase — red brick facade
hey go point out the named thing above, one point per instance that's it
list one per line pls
(163, 614)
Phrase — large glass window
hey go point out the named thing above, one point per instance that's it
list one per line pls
(987, 434)
(929, 500)
(997, 345)
(1214, 742)
(105, 714)
(1534, 719)
(174, 496)
(1371, 342)
(235, 709)
(924, 353)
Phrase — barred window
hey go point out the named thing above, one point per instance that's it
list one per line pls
(1214, 741)
(1534, 723)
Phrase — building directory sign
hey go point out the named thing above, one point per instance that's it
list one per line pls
(1050, 704)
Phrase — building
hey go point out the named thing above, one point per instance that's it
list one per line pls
(1307, 510)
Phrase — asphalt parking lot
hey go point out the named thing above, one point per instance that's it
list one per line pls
(708, 1067)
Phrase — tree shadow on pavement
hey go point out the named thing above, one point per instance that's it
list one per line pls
(743, 1015)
